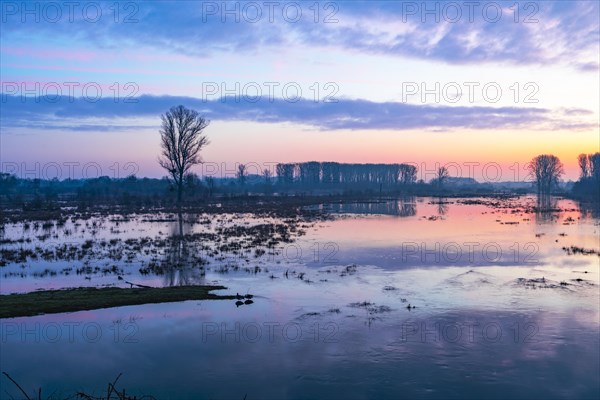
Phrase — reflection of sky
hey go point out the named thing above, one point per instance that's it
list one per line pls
(417, 354)
(459, 235)
(177, 349)
(463, 235)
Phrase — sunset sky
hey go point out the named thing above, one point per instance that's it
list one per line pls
(340, 81)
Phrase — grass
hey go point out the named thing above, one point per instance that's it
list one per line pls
(69, 300)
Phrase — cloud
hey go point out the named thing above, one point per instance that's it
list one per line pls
(540, 33)
(346, 114)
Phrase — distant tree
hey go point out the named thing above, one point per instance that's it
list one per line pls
(242, 174)
(267, 176)
(331, 172)
(7, 182)
(408, 174)
(280, 170)
(546, 171)
(584, 169)
(285, 173)
(589, 181)
(441, 176)
(182, 139)
(191, 182)
(594, 166)
(210, 185)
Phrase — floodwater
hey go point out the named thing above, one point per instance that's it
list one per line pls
(417, 298)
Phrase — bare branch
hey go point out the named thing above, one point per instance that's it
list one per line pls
(182, 139)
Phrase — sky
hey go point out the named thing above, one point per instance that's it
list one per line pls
(481, 87)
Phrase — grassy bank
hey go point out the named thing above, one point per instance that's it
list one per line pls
(69, 300)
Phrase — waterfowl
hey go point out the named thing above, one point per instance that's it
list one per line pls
(239, 296)
(249, 296)
(239, 303)
(248, 302)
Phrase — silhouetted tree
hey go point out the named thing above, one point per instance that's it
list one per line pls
(441, 176)
(7, 182)
(182, 139)
(312, 174)
(588, 184)
(546, 170)
(280, 170)
(241, 174)
(408, 174)
(584, 169)
(594, 166)
(210, 185)
(285, 173)
(267, 176)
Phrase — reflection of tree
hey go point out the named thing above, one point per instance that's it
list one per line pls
(181, 264)
(403, 207)
(589, 209)
(442, 206)
(546, 209)
(407, 207)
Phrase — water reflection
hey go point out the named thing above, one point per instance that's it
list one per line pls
(182, 264)
(546, 209)
(467, 353)
(173, 249)
(442, 205)
(590, 208)
(403, 207)
(501, 309)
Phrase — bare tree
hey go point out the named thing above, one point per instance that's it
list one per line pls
(210, 185)
(267, 176)
(242, 174)
(594, 166)
(546, 170)
(182, 138)
(408, 174)
(589, 180)
(441, 176)
(583, 166)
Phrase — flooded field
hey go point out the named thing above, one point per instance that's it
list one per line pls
(423, 297)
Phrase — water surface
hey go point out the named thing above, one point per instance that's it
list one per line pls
(497, 307)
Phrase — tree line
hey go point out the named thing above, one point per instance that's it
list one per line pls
(315, 173)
